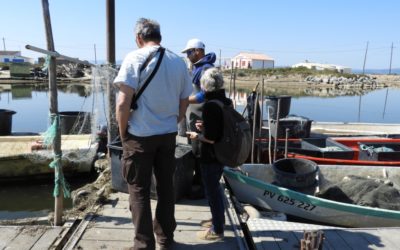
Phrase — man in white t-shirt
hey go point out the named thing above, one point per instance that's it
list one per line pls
(149, 132)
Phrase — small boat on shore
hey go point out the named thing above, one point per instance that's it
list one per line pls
(257, 184)
(354, 128)
(18, 161)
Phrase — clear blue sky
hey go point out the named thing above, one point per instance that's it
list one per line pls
(289, 31)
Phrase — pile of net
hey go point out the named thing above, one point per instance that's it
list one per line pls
(364, 191)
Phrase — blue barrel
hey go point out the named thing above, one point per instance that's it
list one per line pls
(6, 121)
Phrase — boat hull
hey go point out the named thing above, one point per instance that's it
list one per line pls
(19, 162)
(262, 193)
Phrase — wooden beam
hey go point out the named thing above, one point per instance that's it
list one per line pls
(58, 202)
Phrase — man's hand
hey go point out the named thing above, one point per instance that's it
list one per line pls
(193, 135)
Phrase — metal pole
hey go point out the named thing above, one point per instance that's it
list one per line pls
(391, 55)
(58, 205)
(220, 66)
(234, 87)
(277, 128)
(112, 122)
(230, 80)
(4, 44)
(365, 58)
(254, 127)
(261, 118)
(95, 54)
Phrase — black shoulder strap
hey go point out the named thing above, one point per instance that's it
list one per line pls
(149, 78)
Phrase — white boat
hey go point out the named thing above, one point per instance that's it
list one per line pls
(19, 162)
(355, 128)
(253, 184)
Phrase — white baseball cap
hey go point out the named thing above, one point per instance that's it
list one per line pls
(194, 44)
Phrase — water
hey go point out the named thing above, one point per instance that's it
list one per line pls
(32, 105)
(370, 107)
(31, 102)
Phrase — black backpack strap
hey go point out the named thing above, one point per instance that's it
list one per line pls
(149, 78)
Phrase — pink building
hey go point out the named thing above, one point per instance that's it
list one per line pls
(252, 61)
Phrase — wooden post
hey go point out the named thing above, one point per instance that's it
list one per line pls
(231, 80)
(58, 205)
(112, 122)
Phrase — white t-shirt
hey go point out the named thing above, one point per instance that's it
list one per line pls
(158, 106)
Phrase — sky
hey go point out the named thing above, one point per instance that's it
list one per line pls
(289, 31)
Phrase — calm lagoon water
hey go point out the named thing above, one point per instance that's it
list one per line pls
(31, 102)
(32, 106)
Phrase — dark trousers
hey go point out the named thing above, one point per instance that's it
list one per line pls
(211, 174)
(158, 156)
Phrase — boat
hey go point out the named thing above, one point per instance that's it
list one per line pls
(354, 128)
(20, 161)
(348, 151)
(255, 184)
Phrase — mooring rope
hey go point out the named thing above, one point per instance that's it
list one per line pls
(48, 140)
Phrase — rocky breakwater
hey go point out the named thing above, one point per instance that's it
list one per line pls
(342, 82)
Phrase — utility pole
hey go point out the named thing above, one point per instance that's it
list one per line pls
(220, 66)
(365, 58)
(4, 44)
(95, 54)
(391, 56)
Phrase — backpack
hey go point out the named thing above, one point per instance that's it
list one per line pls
(234, 147)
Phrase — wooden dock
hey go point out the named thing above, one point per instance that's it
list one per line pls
(111, 228)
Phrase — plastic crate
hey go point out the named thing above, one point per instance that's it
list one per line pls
(327, 148)
(298, 127)
(372, 151)
(183, 176)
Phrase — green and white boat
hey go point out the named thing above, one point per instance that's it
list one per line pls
(255, 184)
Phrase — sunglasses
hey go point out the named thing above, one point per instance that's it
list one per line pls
(189, 52)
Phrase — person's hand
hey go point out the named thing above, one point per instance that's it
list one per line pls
(135, 146)
(199, 125)
(192, 135)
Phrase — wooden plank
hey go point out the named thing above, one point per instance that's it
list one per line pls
(48, 238)
(27, 238)
(7, 234)
(264, 240)
(286, 240)
(375, 239)
(388, 237)
(335, 241)
(354, 239)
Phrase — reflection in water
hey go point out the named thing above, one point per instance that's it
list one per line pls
(21, 92)
(31, 102)
(338, 105)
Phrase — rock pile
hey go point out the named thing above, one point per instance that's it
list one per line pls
(357, 81)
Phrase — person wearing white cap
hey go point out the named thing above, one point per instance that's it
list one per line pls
(195, 52)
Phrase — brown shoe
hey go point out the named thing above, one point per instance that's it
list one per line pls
(209, 234)
(206, 223)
